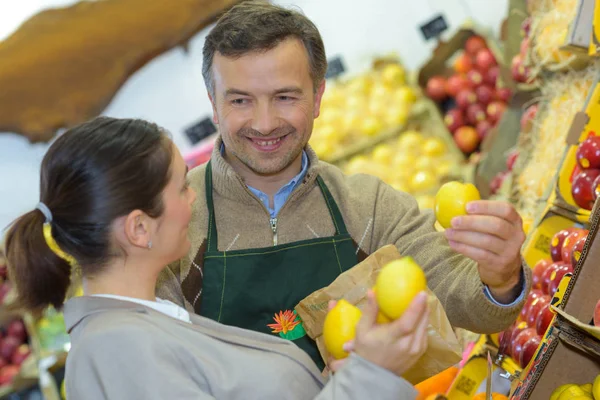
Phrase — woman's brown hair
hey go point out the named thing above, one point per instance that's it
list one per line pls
(91, 175)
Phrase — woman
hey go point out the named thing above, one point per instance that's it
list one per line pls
(115, 204)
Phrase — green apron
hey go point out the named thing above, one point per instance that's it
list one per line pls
(258, 289)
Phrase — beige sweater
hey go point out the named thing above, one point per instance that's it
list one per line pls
(375, 215)
(126, 351)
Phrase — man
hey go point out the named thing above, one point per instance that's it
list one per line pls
(272, 223)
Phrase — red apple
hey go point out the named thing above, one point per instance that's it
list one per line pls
(556, 276)
(520, 72)
(17, 330)
(8, 373)
(463, 64)
(577, 250)
(528, 351)
(509, 335)
(583, 189)
(533, 295)
(588, 153)
(495, 110)
(547, 274)
(503, 94)
(485, 59)
(569, 244)
(455, 84)
(474, 44)
(475, 114)
(483, 128)
(491, 76)
(597, 314)
(20, 354)
(544, 319)
(520, 340)
(475, 78)
(454, 119)
(596, 186)
(557, 241)
(535, 308)
(526, 26)
(538, 271)
(466, 139)
(528, 117)
(465, 98)
(511, 159)
(436, 88)
(8, 346)
(485, 94)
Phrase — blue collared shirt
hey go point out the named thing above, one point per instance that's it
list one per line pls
(284, 193)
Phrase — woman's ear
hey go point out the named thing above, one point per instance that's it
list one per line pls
(137, 229)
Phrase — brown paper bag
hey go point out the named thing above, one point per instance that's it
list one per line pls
(443, 350)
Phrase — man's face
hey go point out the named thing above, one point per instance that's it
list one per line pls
(265, 105)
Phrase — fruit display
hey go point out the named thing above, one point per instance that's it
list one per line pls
(472, 98)
(541, 144)
(396, 285)
(52, 332)
(414, 163)
(585, 186)
(572, 391)
(14, 350)
(451, 201)
(362, 108)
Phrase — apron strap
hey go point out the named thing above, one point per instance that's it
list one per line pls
(336, 215)
(334, 211)
(212, 224)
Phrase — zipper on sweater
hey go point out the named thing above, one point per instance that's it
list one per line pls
(274, 229)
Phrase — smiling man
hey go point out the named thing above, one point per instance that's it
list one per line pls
(272, 223)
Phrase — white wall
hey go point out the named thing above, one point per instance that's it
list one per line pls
(170, 90)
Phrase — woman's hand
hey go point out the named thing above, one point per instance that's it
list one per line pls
(395, 346)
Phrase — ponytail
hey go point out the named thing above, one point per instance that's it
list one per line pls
(40, 276)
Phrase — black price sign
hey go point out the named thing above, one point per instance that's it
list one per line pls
(335, 67)
(434, 27)
(200, 130)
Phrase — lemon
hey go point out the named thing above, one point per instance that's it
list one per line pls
(340, 327)
(423, 181)
(587, 388)
(397, 284)
(434, 147)
(393, 75)
(596, 388)
(571, 392)
(451, 201)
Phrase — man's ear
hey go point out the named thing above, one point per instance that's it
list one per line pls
(318, 98)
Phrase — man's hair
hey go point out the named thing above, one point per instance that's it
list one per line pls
(257, 26)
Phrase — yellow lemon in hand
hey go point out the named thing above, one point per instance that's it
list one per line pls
(397, 284)
(572, 392)
(340, 327)
(451, 201)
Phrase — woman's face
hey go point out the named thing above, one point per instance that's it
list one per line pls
(171, 241)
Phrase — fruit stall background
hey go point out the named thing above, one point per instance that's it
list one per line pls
(170, 90)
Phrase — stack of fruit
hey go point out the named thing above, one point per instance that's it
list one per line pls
(52, 332)
(14, 349)
(478, 100)
(523, 338)
(362, 108)
(521, 72)
(586, 177)
(413, 163)
(571, 391)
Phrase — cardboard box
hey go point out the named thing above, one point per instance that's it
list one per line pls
(580, 32)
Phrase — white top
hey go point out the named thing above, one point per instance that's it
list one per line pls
(164, 306)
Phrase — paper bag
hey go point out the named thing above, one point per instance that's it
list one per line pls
(444, 349)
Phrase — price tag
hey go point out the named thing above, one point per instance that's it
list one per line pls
(434, 27)
(335, 67)
(200, 130)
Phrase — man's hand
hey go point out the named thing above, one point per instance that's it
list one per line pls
(492, 235)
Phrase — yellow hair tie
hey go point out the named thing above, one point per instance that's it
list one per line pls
(55, 247)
